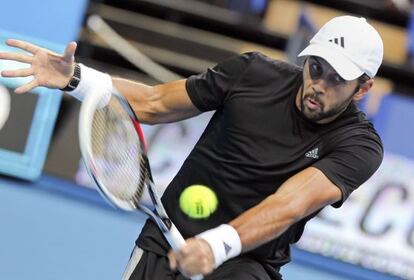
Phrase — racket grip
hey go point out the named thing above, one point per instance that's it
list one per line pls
(174, 238)
(176, 241)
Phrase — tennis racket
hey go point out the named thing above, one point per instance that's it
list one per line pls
(113, 148)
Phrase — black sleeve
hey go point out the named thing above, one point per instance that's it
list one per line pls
(351, 164)
(209, 90)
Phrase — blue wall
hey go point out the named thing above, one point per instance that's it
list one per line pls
(48, 20)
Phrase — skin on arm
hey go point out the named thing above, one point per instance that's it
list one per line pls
(300, 196)
(158, 104)
(153, 104)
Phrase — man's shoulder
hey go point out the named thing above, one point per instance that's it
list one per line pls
(259, 57)
(355, 128)
(265, 64)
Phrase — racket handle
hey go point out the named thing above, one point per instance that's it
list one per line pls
(174, 238)
(176, 241)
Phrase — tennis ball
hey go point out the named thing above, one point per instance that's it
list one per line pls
(198, 201)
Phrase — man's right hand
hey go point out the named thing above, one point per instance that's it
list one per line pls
(48, 69)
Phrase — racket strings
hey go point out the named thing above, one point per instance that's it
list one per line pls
(118, 153)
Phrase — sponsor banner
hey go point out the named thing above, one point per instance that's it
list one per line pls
(375, 227)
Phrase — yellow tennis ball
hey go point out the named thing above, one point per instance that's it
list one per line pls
(198, 201)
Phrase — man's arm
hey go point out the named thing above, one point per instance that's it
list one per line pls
(158, 104)
(300, 196)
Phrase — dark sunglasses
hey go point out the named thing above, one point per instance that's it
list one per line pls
(319, 69)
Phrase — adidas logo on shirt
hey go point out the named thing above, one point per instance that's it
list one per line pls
(313, 153)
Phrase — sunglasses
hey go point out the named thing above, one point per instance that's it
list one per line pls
(319, 69)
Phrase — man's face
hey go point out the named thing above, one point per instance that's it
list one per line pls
(325, 94)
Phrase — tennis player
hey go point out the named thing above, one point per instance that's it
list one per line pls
(284, 142)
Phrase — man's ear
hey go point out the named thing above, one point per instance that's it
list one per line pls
(363, 89)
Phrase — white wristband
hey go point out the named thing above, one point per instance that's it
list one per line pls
(91, 81)
(224, 242)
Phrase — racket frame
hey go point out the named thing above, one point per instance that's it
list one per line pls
(158, 214)
(88, 108)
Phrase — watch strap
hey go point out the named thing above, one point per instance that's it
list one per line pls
(74, 81)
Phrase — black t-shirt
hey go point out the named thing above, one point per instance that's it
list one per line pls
(255, 141)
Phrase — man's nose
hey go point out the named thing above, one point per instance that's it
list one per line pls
(319, 87)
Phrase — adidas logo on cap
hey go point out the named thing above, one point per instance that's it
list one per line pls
(339, 41)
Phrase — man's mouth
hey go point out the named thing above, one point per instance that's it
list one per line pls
(312, 104)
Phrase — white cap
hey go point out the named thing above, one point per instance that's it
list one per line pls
(350, 45)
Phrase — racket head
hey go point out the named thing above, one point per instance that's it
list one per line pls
(113, 148)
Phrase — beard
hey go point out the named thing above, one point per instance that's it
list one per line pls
(321, 114)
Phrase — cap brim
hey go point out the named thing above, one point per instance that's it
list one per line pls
(342, 65)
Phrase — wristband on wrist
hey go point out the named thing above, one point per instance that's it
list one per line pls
(224, 242)
(90, 80)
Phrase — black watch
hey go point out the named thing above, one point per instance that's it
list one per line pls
(74, 81)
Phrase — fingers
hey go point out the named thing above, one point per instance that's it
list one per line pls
(17, 73)
(16, 57)
(22, 45)
(27, 87)
(193, 258)
(175, 259)
(69, 54)
(172, 260)
(194, 261)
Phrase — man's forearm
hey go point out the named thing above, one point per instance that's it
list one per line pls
(264, 222)
(162, 103)
(139, 96)
(301, 195)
